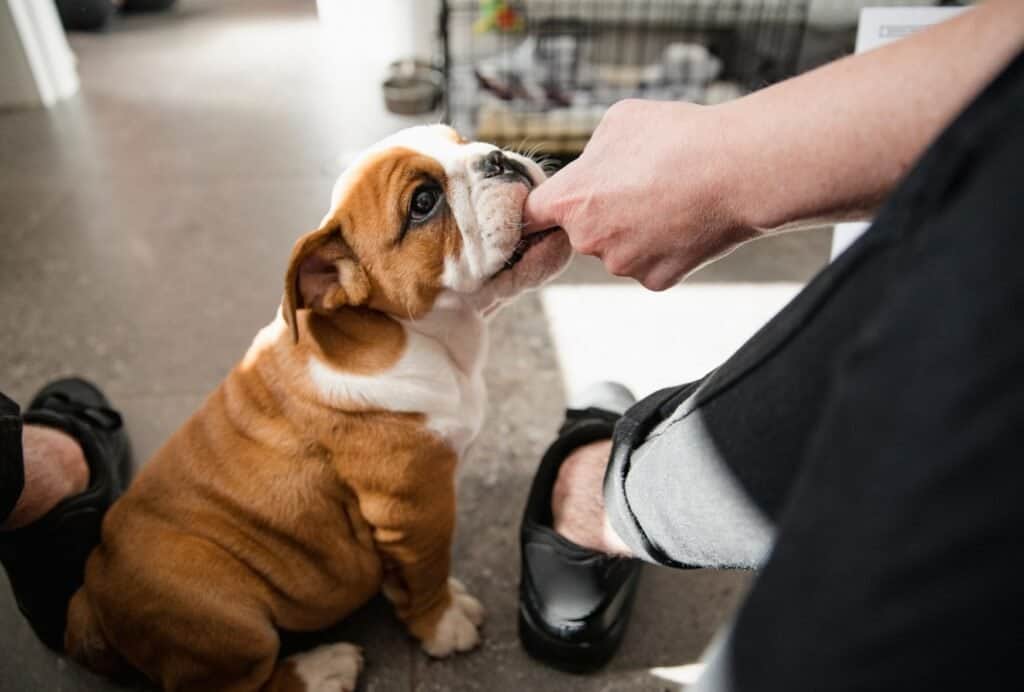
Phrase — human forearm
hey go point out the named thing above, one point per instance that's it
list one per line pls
(830, 144)
(663, 187)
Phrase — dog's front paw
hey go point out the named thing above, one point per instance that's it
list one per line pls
(328, 668)
(457, 630)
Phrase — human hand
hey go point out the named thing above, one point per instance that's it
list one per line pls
(577, 500)
(649, 194)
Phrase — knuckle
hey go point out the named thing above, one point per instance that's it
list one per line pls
(586, 244)
(617, 265)
(656, 283)
(612, 118)
(614, 267)
(623, 107)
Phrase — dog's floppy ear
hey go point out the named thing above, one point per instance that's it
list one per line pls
(323, 275)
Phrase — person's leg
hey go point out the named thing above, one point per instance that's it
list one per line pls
(62, 464)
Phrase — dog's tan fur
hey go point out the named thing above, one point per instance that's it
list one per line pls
(271, 509)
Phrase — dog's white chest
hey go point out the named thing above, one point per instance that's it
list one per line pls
(459, 424)
(424, 380)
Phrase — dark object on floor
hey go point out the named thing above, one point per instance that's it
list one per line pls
(45, 560)
(146, 5)
(94, 15)
(85, 15)
(574, 603)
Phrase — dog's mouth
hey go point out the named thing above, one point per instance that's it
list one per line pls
(522, 247)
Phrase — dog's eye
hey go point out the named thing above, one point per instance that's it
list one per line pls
(423, 203)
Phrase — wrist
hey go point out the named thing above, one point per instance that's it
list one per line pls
(741, 176)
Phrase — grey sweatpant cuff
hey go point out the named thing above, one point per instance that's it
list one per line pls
(670, 495)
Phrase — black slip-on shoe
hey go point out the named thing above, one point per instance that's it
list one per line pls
(45, 560)
(574, 603)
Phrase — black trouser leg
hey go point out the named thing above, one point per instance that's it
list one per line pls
(12, 465)
(900, 545)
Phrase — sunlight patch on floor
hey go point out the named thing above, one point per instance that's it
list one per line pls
(683, 675)
(652, 340)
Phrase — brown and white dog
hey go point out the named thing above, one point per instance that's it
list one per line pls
(321, 471)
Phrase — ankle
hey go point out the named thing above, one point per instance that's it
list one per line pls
(577, 500)
(55, 468)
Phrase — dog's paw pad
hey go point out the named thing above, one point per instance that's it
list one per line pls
(457, 628)
(329, 668)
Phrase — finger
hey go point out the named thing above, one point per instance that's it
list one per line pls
(542, 209)
(623, 260)
(539, 210)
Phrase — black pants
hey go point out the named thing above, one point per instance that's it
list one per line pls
(877, 425)
(12, 470)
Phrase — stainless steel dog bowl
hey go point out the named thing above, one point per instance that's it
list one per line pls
(412, 87)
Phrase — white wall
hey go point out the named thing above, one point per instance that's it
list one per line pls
(17, 85)
(38, 66)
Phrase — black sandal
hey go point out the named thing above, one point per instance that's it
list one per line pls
(45, 560)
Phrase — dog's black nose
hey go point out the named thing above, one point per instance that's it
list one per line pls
(493, 164)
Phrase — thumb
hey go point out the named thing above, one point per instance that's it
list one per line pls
(541, 210)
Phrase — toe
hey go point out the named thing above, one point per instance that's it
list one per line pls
(472, 608)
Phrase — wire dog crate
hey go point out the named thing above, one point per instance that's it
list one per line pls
(541, 73)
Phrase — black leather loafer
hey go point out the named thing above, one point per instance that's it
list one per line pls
(574, 603)
(45, 560)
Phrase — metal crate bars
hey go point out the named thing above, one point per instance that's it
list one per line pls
(541, 73)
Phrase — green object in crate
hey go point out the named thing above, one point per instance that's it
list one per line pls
(499, 15)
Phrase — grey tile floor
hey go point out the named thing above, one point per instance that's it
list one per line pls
(145, 225)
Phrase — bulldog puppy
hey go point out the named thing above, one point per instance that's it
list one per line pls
(321, 471)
